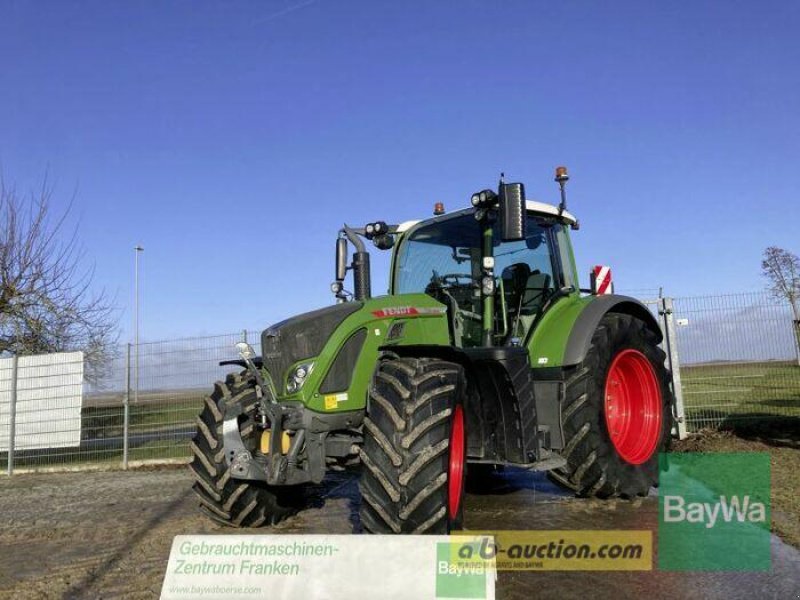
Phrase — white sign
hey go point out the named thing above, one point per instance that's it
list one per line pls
(49, 397)
(276, 567)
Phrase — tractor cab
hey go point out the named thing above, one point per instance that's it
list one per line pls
(497, 267)
(445, 258)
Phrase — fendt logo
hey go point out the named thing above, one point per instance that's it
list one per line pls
(408, 311)
(734, 509)
(396, 311)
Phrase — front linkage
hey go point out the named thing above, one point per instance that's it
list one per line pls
(278, 459)
(289, 445)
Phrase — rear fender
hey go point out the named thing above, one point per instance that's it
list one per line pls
(580, 338)
(563, 335)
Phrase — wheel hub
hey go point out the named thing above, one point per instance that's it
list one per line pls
(633, 406)
(455, 475)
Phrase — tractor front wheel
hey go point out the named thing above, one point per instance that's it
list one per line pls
(414, 452)
(229, 501)
(617, 412)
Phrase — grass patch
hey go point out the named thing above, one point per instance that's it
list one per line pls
(720, 393)
(110, 453)
(161, 449)
(160, 426)
(104, 415)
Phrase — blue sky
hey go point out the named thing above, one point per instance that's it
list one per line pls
(232, 139)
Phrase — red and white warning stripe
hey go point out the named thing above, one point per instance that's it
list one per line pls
(601, 280)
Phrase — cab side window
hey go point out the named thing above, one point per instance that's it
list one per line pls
(530, 272)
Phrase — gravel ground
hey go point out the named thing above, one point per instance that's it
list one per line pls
(108, 534)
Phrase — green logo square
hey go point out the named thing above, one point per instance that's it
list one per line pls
(714, 512)
(457, 581)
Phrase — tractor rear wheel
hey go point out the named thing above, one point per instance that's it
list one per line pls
(229, 501)
(617, 412)
(414, 452)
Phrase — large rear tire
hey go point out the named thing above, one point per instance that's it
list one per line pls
(617, 412)
(414, 452)
(229, 501)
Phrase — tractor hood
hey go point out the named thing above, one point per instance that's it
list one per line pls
(341, 343)
(303, 336)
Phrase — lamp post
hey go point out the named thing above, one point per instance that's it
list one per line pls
(137, 249)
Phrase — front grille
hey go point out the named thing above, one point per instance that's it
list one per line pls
(341, 371)
(301, 337)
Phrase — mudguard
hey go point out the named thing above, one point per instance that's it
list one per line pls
(583, 329)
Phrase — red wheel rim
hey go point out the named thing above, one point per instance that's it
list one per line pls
(633, 407)
(455, 473)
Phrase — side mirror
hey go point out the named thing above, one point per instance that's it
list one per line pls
(513, 217)
(341, 259)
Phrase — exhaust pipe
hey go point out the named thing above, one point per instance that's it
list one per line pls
(360, 266)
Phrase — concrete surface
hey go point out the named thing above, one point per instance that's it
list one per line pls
(108, 534)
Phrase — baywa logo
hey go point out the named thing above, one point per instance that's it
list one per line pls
(677, 510)
(714, 512)
(456, 579)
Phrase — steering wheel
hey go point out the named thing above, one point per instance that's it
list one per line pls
(453, 280)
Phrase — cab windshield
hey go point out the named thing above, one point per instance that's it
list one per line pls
(443, 260)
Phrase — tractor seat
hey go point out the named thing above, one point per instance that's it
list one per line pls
(537, 290)
(515, 279)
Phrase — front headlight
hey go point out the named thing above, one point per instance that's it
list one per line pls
(298, 377)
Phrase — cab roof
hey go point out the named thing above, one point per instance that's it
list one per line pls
(531, 205)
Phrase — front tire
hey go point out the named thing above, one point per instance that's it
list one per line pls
(228, 501)
(617, 412)
(414, 452)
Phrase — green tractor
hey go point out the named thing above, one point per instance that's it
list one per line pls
(486, 352)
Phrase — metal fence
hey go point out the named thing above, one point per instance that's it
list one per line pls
(739, 357)
(664, 312)
(141, 410)
(734, 358)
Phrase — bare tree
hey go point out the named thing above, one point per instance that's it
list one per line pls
(46, 300)
(782, 270)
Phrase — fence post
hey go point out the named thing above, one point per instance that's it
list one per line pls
(126, 407)
(12, 414)
(244, 335)
(671, 343)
